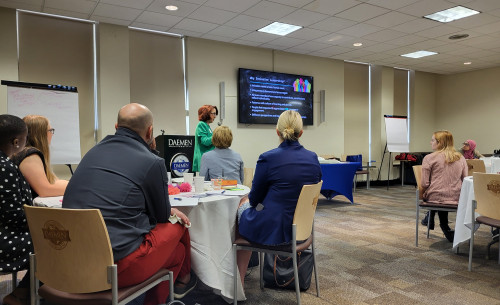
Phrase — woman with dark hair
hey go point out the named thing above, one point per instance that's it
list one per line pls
(203, 134)
(14, 193)
(34, 159)
(442, 174)
(266, 215)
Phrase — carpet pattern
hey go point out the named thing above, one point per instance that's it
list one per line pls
(366, 254)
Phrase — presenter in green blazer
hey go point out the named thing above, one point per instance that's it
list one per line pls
(203, 134)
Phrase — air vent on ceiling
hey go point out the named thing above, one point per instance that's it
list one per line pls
(458, 36)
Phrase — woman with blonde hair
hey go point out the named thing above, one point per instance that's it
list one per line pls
(266, 215)
(442, 174)
(222, 161)
(34, 159)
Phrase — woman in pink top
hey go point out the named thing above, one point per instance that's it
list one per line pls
(442, 174)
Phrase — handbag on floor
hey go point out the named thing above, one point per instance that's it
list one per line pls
(278, 270)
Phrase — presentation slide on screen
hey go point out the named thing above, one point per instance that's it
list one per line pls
(265, 95)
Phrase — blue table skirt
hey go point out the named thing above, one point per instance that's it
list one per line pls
(338, 179)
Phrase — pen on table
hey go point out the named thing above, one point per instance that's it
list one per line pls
(177, 198)
(223, 192)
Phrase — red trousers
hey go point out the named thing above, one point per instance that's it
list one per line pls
(166, 246)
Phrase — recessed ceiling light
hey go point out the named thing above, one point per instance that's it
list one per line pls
(171, 7)
(454, 13)
(357, 44)
(279, 28)
(419, 54)
(467, 63)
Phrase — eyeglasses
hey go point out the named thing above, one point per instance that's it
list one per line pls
(52, 130)
(467, 144)
(213, 113)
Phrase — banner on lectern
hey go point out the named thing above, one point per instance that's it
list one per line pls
(178, 153)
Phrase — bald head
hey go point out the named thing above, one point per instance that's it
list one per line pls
(138, 118)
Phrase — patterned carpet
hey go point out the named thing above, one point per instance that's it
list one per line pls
(366, 255)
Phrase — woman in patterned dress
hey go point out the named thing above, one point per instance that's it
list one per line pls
(15, 245)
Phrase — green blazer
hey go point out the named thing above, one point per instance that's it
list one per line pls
(202, 143)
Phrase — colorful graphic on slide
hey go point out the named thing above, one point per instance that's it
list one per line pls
(299, 85)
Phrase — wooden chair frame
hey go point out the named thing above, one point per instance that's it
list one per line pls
(74, 259)
(302, 229)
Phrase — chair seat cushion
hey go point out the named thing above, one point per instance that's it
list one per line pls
(492, 222)
(97, 298)
(285, 248)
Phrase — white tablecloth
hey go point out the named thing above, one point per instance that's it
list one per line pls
(492, 164)
(212, 234)
(464, 212)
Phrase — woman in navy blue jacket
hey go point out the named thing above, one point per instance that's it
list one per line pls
(266, 216)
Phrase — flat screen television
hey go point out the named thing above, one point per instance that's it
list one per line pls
(263, 96)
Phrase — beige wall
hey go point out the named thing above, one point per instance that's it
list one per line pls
(468, 104)
(210, 63)
(464, 103)
(8, 52)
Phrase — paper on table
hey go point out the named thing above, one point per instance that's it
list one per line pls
(183, 201)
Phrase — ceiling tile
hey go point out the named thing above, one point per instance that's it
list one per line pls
(437, 31)
(474, 21)
(391, 4)
(484, 5)
(336, 39)
(66, 13)
(427, 44)
(116, 12)
(149, 26)
(217, 38)
(184, 10)
(247, 22)
(269, 10)
(390, 19)
(246, 42)
(381, 47)
(308, 34)
(294, 3)
(360, 30)
(30, 6)
(273, 46)
(138, 4)
(208, 14)
(331, 7)
(185, 32)
(200, 2)
(312, 46)
(237, 6)
(78, 6)
(385, 35)
(333, 24)
(158, 19)
(483, 42)
(331, 51)
(362, 12)
(425, 7)
(230, 32)
(259, 37)
(303, 17)
(195, 25)
(416, 25)
(489, 28)
(406, 40)
(287, 42)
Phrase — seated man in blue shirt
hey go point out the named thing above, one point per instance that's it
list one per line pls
(128, 183)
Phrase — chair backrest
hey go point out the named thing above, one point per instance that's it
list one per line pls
(306, 207)
(487, 194)
(417, 171)
(248, 176)
(72, 248)
(475, 166)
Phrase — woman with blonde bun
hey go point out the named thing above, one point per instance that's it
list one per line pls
(266, 215)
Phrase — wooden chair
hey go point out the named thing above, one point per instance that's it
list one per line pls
(74, 259)
(486, 204)
(302, 229)
(420, 204)
(248, 174)
(475, 166)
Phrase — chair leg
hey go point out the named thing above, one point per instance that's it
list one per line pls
(315, 270)
(429, 224)
(416, 223)
(261, 269)
(171, 286)
(14, 280)
(296, 277)
(471, 243)
(355, 182)
(235, 275)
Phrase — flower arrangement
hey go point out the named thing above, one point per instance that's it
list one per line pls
(174, 189)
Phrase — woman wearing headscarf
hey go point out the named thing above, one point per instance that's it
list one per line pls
(469, 150)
